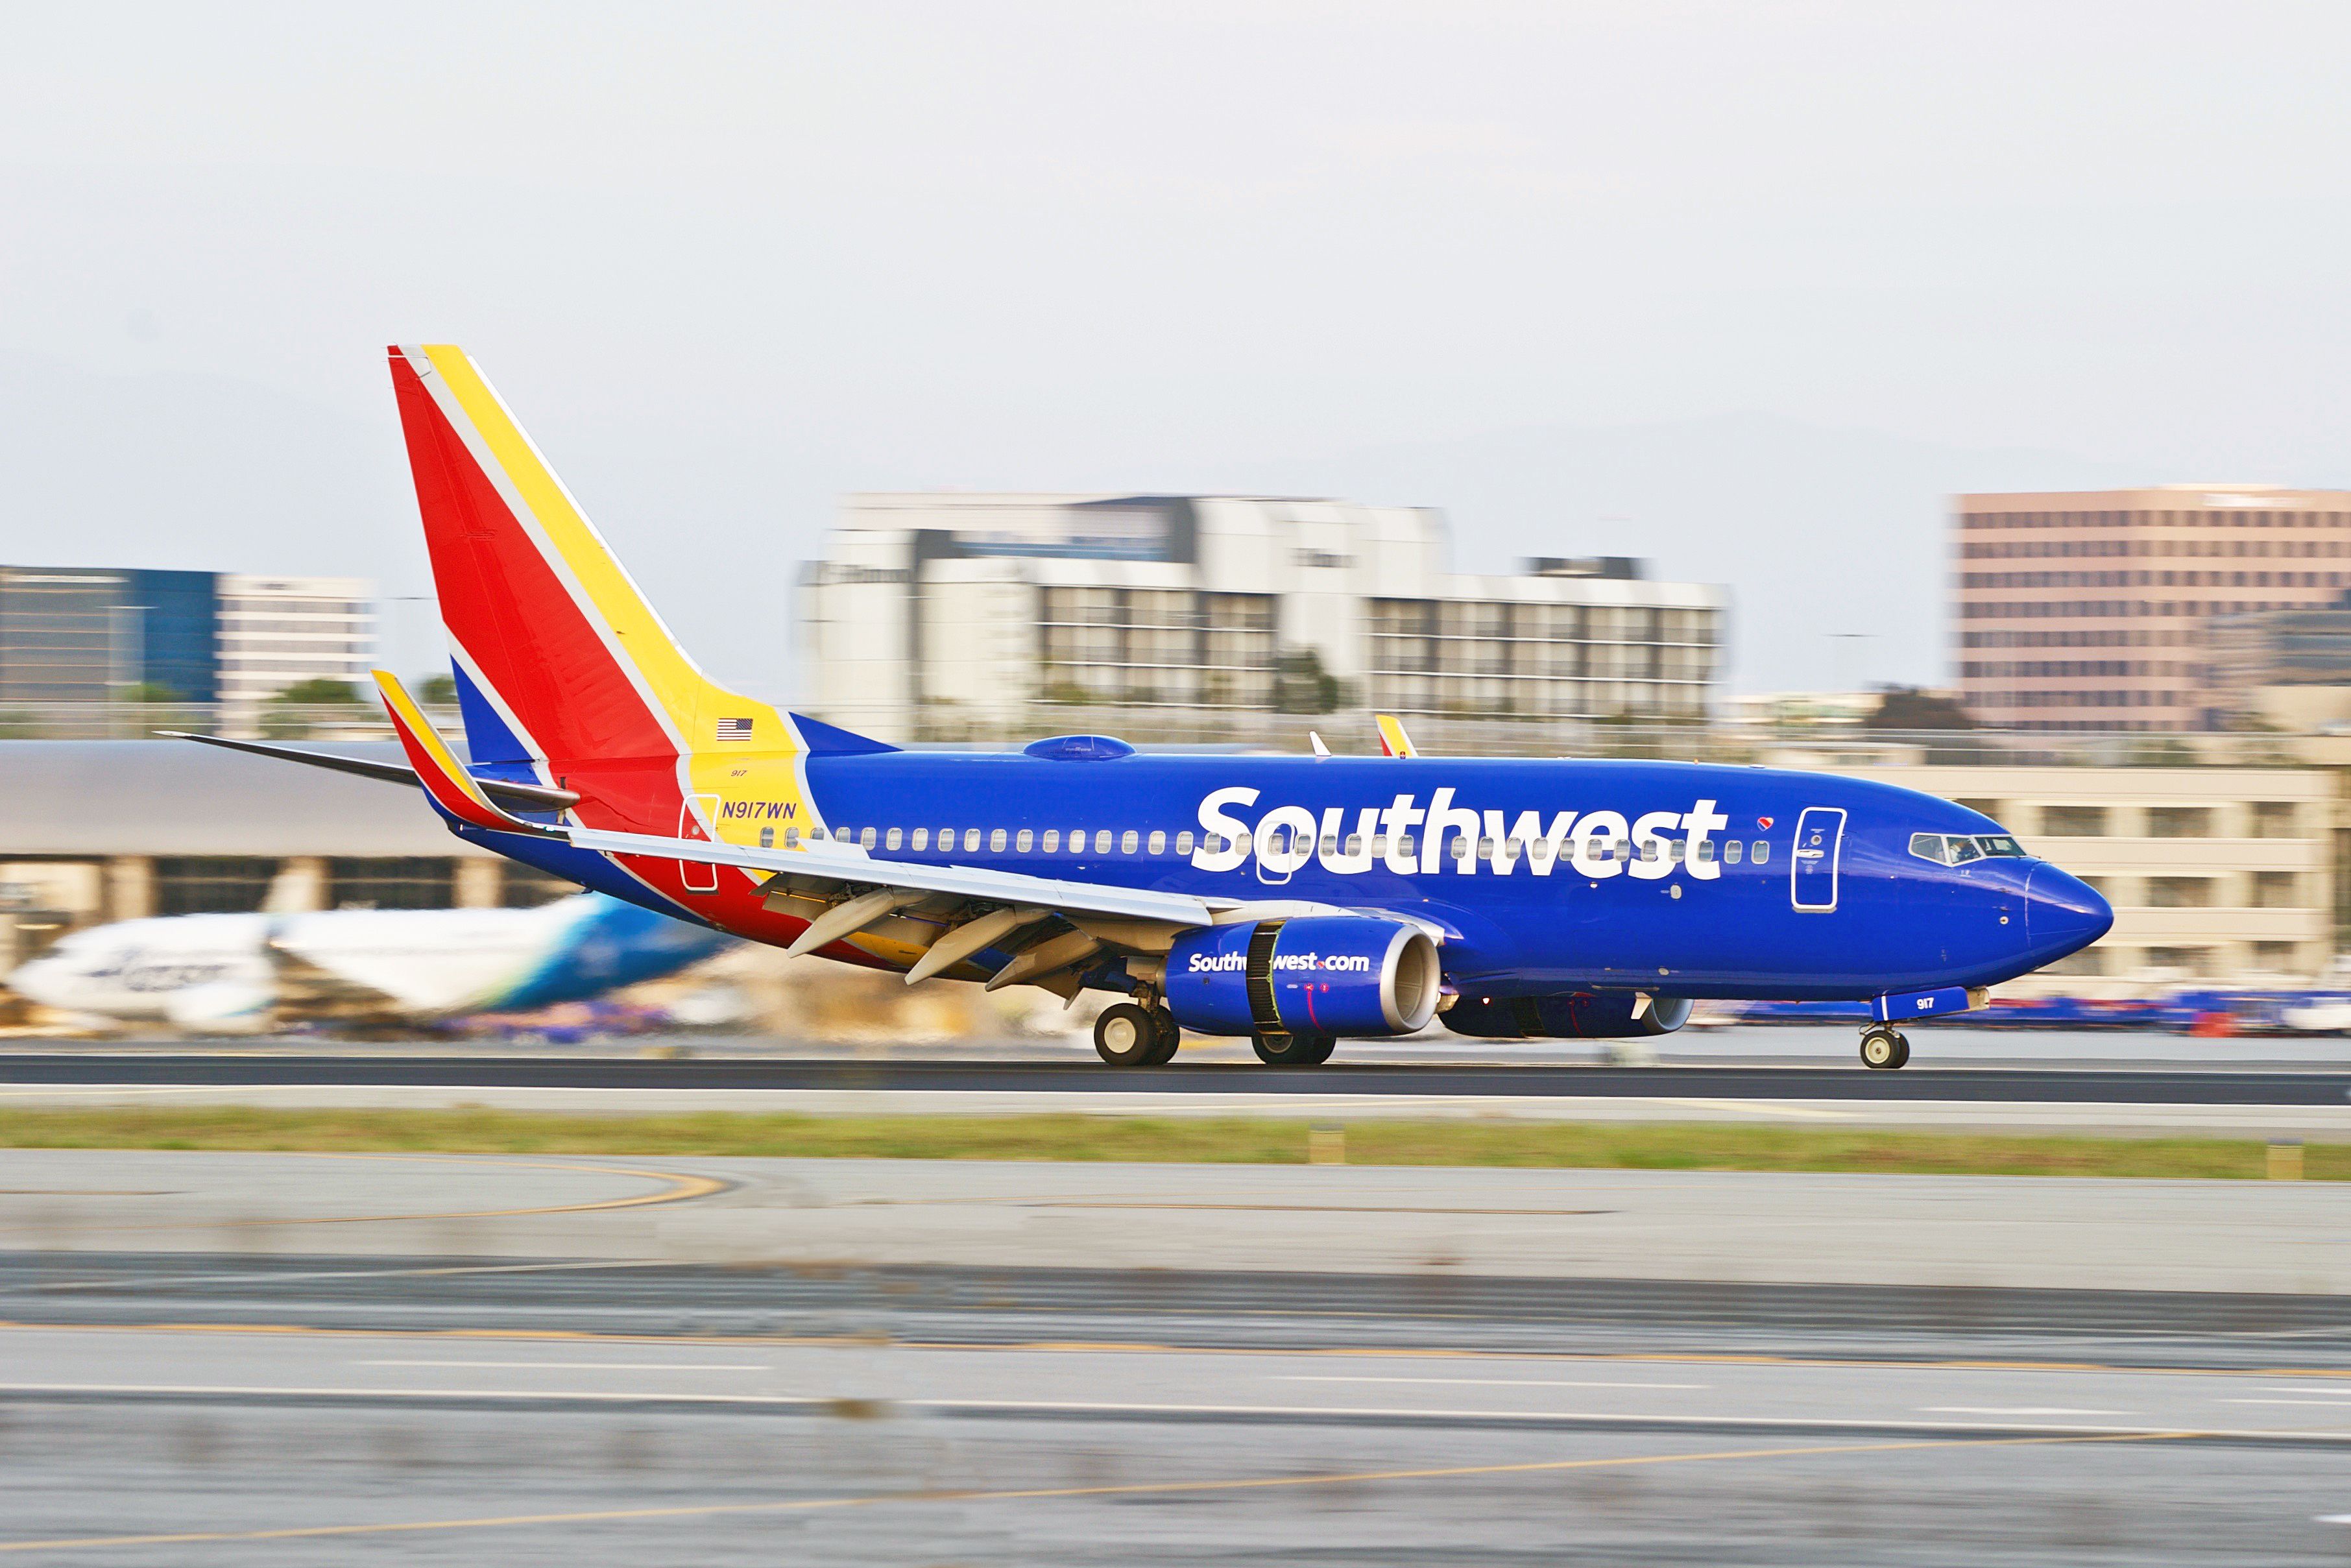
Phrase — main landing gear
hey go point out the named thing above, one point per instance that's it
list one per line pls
(1883, 1047)
(1129, 1036)
(1293, 1049)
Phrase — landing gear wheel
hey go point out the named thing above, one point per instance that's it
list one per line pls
(1170, 1035)
(1884, 1048)
(1293, 1049)
(1125, 1036)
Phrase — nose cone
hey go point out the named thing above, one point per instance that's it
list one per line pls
(2062, 914)
(37, 981)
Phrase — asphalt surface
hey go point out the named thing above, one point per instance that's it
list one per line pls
(238, 1358)
(518, 1411)
(2053, 1085)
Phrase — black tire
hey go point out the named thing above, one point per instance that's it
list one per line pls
(1901, 1050)
(1292, 1049)
(1170, 1035)
(1882, 1048)
(1125, 1036)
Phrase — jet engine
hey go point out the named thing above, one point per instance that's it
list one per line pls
(1318, 975)
(1573, 1015)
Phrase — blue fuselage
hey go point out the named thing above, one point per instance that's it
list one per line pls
(1687, 879)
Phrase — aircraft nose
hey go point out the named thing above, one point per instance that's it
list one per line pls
(2062, 914)
(33, 981)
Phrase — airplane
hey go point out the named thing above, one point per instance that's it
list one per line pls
(1295, 900)
(245, 973)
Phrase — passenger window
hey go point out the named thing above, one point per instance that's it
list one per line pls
(1329, 843)
(1762, 851)
(922, 838)
(1052, 841)
(866, 840)
(1159, 844)
(996, 842)
(1354, 844)
(1702, 851)
(893, 838)
(1461, 848)
(1674, 851)
(1102, 840)
(1024, 841)
(1405, 845)
(1649, 848)
(1130, 842)
(947, 839)
(1733, 852)
(1183, 842)
(791, 838)
(971, 839)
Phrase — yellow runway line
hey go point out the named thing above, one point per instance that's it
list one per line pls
(1144, 1489)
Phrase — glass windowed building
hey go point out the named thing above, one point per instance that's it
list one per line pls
(978, 606)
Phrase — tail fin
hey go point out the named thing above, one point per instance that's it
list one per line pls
(559, 657)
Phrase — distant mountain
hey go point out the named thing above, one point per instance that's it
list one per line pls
(1816, 530)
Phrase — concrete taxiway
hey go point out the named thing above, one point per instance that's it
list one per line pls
(234, 1358)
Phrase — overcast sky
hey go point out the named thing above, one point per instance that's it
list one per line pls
(1589, 277)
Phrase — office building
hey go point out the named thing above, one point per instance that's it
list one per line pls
(276, 632)
(2089, 611)
(985, 611)
(77, 634)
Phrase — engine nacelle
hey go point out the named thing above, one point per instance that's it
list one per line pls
(1331, 975)
(1574, 1015)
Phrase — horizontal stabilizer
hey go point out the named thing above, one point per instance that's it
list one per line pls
(527, 796)
(457, 792)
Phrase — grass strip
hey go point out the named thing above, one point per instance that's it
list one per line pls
(1175, 1140)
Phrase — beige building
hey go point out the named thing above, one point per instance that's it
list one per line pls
(276, 631)
(998, 614)
(2087, 611)
(2219, 873)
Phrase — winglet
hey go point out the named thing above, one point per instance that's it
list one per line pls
(1393, 741)
(1320, 749)
(437, 768)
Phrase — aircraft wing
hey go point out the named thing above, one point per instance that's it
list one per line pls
(841, 864)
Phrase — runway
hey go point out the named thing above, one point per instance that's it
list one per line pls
(2313, 1087)
(238, 1358)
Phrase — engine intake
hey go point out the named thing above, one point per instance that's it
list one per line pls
(1326, 975)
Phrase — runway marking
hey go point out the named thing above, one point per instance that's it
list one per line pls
(1141, 1489)
(2016, 1410)
(680, 1188)
(1130, 1347)
(1477, 1382)
(591, 1366)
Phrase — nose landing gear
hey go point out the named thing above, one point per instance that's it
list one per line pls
(1884, 1048)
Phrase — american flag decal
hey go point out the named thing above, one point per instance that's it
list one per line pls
(734, 729)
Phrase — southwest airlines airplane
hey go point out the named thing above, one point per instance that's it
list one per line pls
(1298, 901)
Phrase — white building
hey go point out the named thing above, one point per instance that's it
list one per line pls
(277, 631)
(972, 608)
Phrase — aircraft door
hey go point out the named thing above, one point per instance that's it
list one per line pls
(1812, 873)
(695, 875)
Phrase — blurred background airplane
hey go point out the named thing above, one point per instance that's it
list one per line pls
(242, 974)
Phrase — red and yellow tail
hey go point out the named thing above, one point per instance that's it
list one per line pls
(553, 643)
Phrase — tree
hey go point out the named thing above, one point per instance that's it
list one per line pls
(440, 691)
(282, 716)
(150, 692)
(1907, 707)
(318, 689)
(1300, 685)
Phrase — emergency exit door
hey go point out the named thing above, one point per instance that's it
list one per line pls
(697, 876)
(1812, 874)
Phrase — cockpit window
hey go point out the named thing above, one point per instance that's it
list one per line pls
(1954, 849)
